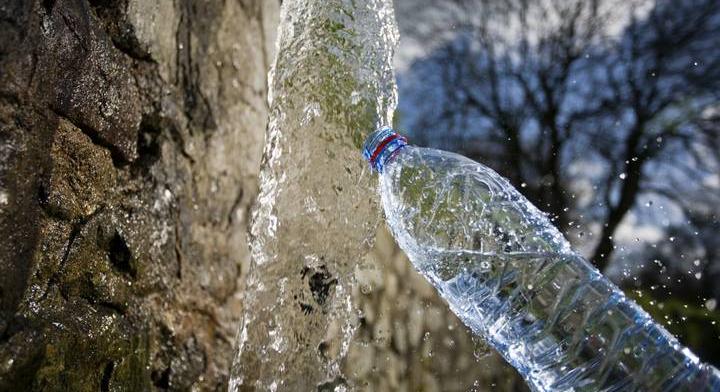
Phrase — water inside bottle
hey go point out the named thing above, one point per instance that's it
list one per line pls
(510, 276)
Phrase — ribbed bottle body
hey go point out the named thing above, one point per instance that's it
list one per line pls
(508, 273)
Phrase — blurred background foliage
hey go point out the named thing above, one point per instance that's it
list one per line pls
(604, 113)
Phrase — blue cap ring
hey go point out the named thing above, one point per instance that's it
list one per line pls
(381, 145)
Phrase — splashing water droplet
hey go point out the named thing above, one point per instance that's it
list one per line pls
(711, 304)
(331, 81)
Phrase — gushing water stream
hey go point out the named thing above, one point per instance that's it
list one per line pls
(331, 82)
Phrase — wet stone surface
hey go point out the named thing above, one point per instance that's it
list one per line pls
(130, 142)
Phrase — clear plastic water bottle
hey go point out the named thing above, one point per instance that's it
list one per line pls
(511, 277)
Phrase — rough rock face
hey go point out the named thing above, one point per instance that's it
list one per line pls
(130, 140)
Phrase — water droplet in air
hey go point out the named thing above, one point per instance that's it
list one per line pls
(623, 176)
(711, 304)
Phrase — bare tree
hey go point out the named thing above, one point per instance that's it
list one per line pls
(543, 90)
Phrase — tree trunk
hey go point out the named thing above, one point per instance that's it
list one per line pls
(131, 138)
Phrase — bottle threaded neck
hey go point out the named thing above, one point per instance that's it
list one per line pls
(381, 145)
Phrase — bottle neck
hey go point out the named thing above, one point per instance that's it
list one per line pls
(382, 146)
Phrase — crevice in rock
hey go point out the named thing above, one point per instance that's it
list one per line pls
(42, 194)
(323, 350)
(332, 385)
(131, 49)
(106, 376)
(120, 255)
(235, 205)
(161, 379)
(74, 234)
(48, 6)
(178, 249)
(320, 282)
(110, 306)
(148, 144)
(197, 108)
(177, 138)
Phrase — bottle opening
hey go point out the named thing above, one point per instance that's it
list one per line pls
(381, 145)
